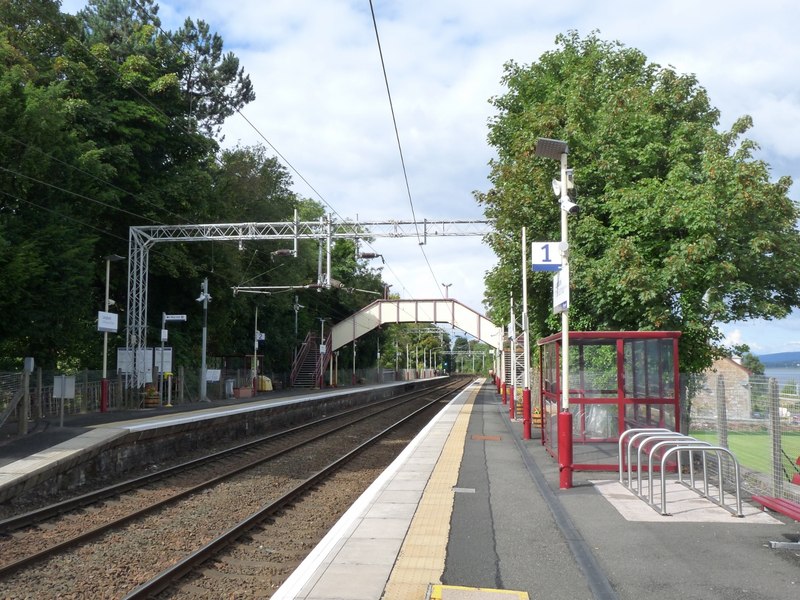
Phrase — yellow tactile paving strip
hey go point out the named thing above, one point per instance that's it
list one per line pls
(455, 592)
(421, 559)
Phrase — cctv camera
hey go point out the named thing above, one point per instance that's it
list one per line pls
(569, 207)
(570, 179)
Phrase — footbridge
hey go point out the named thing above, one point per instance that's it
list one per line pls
(382, 312)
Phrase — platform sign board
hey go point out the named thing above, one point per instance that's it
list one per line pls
(107, 321)
(144, 363)
(167, 364)
(561, 291)
(546, 256)
(213, 375)
(64, 386)
(174, 317)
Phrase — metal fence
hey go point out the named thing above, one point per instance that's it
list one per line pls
(757, 419)
(181, 388)
(45, 400)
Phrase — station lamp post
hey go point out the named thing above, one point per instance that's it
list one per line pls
(104, 383)
(205, 298)
(526, 345)
(558, 150)
(322, 350)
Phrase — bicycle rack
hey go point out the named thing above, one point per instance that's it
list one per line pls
(670, 443)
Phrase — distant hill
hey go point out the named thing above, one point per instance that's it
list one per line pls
(780, 359)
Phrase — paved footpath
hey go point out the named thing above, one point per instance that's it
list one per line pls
(504, 535)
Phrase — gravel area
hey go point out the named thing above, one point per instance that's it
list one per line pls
(124, 558)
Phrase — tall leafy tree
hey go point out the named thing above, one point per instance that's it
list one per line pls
(47, 236)
(213, 84)
(680, 227)
(753, 363)
(107, 122)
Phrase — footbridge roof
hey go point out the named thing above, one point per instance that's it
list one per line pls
(382, 312)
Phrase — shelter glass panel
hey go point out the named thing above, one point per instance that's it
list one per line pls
(603, 401)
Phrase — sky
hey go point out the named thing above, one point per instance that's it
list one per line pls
(321, 102)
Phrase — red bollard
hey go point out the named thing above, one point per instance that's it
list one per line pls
(565, 449)
(512, 403)
(503, 392)
(526, 414)
(103, 395)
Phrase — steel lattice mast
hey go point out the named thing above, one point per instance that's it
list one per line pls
(142, 238)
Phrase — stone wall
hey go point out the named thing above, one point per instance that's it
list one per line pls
(736, 381)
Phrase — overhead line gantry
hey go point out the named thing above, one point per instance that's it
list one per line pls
(142, 238)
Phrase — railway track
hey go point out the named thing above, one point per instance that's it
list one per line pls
(133, 530)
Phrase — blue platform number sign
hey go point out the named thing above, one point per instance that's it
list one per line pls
(545, 256)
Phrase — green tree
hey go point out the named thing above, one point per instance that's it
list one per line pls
(108, 122)
(47, 234)
(211, 83)
(752, 363)
(680, 227)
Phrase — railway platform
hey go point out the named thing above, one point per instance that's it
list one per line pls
(470, 511)
(90, 444)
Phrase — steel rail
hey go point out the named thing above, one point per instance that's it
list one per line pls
(46, 512)
(14, 566)
(169, 576)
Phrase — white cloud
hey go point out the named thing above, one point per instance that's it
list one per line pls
(322, 101)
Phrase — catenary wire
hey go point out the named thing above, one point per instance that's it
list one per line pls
(400, 146)
(63, 216)
(284, 159)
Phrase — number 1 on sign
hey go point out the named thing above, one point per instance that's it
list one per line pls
(542, 256)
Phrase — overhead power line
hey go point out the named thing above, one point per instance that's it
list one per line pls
(284, 159)
(399, 145)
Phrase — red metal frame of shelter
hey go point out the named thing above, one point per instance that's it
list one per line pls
(618, 380)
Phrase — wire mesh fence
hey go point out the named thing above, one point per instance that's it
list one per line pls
(758, 419)
(52, 394)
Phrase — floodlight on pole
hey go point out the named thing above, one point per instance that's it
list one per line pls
(559, 150)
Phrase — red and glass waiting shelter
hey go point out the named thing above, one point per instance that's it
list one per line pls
(618, 380)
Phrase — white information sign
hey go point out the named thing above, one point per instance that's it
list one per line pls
(167, 359)
(213, 374)
(144, 362)
(107, 321)
(546, 256)
(561, 291)
(174, 317)
(64, 386)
